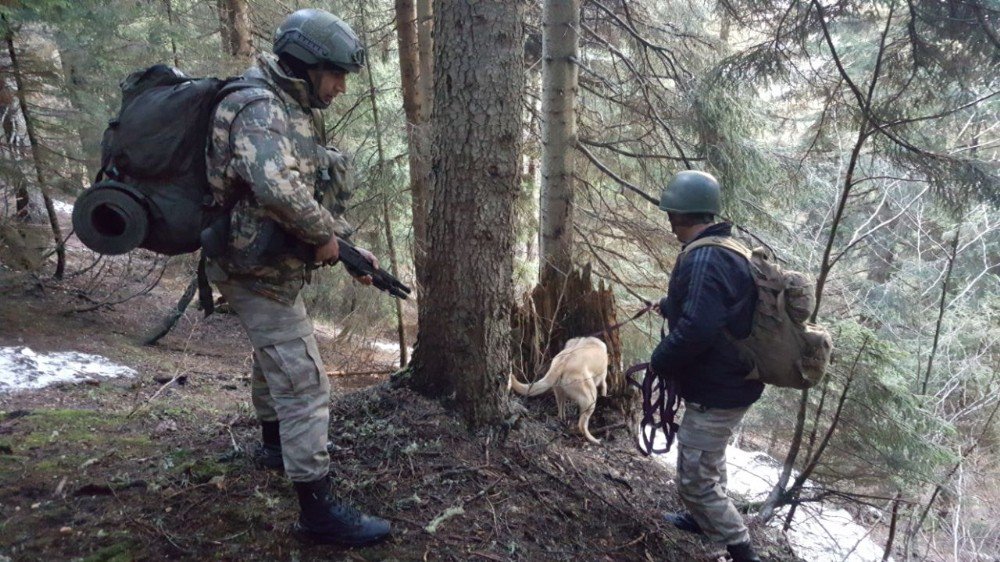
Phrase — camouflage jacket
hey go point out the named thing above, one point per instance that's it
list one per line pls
(266, 158)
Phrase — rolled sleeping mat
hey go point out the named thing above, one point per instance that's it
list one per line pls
(111, 218)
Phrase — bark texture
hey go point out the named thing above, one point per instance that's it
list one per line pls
(36, 153)
(235, 28)
(560, 46)
(564, 307)
(463, 344)
(414, 100)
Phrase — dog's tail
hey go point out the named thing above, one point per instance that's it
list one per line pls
(540, 386)
(533, 389)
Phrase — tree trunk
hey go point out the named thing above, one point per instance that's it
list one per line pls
(725, 22)
(170, 21)
(425, 82)
(394, 269)
(171, 319)
(386, 218)
(560, 46)
(564, 307)
(414, 100)
(36, 153)
(425, 40)
(7, 122)
(883, 255)
(812, 461)
(942, 307)
(893, 521)
(464, 340)
(225, 26)
(241, 34)
(12, 140)
(778, 493)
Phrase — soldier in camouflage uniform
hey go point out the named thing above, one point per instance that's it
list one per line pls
(267, 161)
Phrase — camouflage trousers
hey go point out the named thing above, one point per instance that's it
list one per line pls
(289, 382)
(701, 471)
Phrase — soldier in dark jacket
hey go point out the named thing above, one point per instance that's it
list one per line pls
(710, 301)
(268, 163)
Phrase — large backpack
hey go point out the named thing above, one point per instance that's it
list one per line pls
(152, 190)
(785, 349)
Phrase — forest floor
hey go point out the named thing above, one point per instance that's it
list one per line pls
(134, 469)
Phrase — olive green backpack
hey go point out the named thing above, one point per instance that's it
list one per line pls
(785, 349)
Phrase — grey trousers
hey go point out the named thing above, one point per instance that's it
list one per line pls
(288, 381)
(701, 471)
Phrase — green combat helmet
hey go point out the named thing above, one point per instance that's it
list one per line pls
(319, 38)
(691, 192)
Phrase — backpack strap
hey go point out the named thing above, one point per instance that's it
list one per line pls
(232, 85)
(737, 247)
(242, 83)
(238, 84)
(727, 242)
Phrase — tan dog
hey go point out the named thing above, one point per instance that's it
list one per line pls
(576, 372)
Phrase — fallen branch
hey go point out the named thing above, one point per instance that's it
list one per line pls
(168, 323)
(608, 428)
(360, 373)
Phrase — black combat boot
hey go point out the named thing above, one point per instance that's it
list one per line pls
(743, 552)
(268, 453)
(685, 522)
(325, 519)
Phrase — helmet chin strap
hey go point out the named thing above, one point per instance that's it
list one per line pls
(314, 101)
(302, 73)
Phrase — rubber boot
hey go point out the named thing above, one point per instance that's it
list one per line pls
(326, 520)
(743, 552)
(268, 453)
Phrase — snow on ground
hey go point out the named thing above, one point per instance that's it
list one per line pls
(391, 347)
(820, 532)
(22, 368)
(62, 207)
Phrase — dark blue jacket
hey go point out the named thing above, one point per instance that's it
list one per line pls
(711, 289)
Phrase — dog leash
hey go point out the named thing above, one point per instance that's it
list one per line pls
(660, 399)
(660, 402)
(608, 329)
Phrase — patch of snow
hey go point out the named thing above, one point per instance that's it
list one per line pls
(390, 347)
(377, 345)
(63, 207)
(820, 532)
(21, 368)
(823, 532)
(752, 474)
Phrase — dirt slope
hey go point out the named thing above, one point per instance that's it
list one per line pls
(104, 472)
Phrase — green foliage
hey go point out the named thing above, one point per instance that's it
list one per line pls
(20, 10)
(730, 124)
(888, 439)
(767, 108)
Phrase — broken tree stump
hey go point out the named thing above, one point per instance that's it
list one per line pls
(562, 307)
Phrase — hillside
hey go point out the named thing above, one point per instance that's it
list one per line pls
(127, 469)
